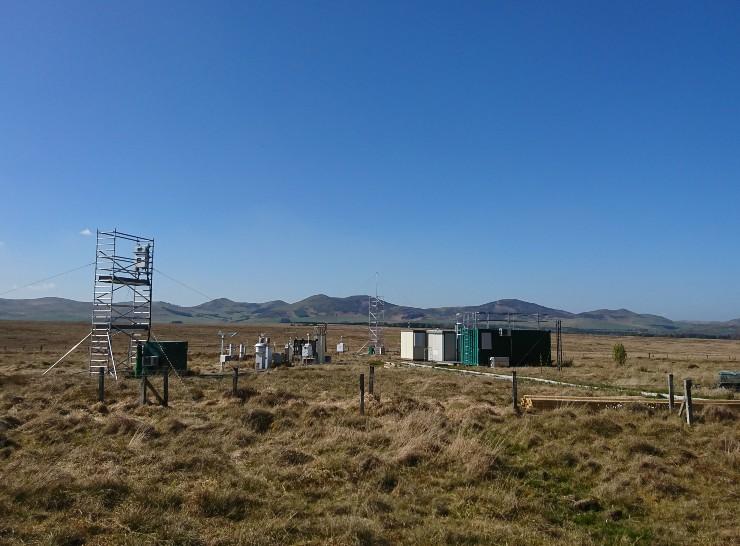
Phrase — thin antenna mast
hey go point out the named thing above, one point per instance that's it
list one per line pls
(376, 316)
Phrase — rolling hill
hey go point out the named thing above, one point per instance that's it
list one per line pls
(354, 309)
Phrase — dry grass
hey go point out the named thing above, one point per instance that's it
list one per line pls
(438, 459)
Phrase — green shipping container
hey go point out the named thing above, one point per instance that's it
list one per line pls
(170, 353)
(522, 347)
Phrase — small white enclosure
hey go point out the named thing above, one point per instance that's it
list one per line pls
(499, 361)
(307, 351)
(413, 344)
(262, 355)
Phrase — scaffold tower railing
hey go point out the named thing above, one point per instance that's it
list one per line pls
(122, 297)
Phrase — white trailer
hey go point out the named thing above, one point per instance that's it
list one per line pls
(441, 345)
(413, 344)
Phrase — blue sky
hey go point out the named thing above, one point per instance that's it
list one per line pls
(579, 155)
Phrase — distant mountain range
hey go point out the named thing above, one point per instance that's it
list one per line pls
(354, 309)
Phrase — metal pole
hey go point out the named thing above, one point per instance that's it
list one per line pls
(670, 392)
(235, 382)
(371, 380)
(514, 392)
(66, 354)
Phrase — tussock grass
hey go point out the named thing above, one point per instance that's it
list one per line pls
(259, 420)
(438, 459)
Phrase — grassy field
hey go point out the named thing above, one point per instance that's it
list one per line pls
(440, 458)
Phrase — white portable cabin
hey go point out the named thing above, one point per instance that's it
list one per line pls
(413, 344)
(441, 345)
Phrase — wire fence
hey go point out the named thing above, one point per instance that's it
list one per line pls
(53, 347)
(584, 355)
(729, 357)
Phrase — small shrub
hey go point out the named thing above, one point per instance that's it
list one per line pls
(619, 354)
(260, 420)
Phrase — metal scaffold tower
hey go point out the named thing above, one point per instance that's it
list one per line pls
(376, 316)
(122, 297)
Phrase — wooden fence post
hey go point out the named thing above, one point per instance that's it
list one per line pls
(687, 400)
(235, 382)
(371, 381)
(101, 385)
(165, 386)
(142, 398)
(514, 391)
(670, 392)
(362, 394)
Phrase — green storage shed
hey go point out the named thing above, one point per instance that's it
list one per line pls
(170, 353)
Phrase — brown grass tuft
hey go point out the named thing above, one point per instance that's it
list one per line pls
(718, 414)
(259, 420)
(294, 457)
(644, 448)
(230, 504)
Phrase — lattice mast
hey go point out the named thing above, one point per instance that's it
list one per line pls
(376, 316)
(122, 297)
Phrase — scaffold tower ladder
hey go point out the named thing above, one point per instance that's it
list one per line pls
(100, 342)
